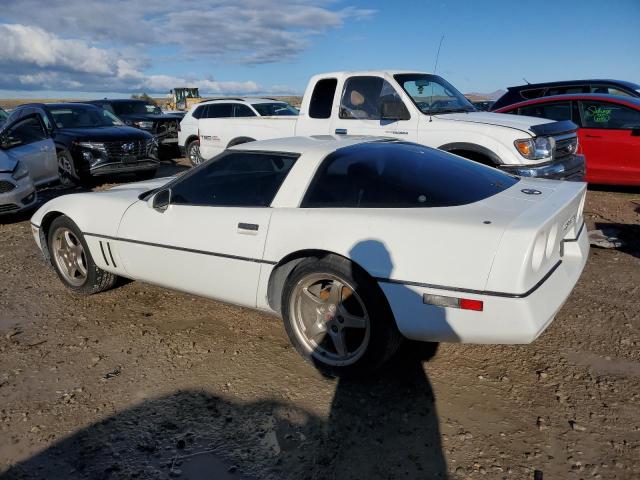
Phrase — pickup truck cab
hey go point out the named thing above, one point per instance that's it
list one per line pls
(415, 107)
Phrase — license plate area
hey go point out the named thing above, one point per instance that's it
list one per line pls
(129, 159)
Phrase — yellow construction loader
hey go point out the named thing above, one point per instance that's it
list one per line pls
(181, 98)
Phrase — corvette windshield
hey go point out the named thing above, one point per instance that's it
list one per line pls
(76, 116)
(433, 94)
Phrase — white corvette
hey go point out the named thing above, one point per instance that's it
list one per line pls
(356, 242)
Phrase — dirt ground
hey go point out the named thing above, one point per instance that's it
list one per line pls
(141, 382)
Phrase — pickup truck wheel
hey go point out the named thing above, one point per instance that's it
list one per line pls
(337, 317)
(66, 172)
(193, 153)
(72, 259)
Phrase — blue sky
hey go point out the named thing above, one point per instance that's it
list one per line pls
(92, 47)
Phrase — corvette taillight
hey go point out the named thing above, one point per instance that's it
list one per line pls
(453, 302)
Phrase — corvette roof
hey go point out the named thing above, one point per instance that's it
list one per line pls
(315, 143)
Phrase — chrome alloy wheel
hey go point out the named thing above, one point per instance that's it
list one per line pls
(65, 170)
(69, 256)
(194, 153)
(330, 319)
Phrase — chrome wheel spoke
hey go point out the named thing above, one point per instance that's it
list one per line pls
(315, 330)
(335, 292)
(347, 320)
(81, 264)
(311, 298)
(68, 240)
(339, 342)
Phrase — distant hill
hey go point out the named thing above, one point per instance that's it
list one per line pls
(476, 97)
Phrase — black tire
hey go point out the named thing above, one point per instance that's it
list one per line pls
(145, 174)
(66, 169)
(192, 151)
(384, 337)
(96, 280)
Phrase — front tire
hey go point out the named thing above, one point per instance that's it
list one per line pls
(193, 153)
(66, 170)
(72, 259)
(337, 317)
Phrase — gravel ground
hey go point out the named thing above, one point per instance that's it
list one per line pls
(141, 382)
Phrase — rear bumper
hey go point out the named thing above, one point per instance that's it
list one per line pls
(570, 168)
(22, 197)
(506, 318)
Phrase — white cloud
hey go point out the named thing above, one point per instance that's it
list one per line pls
(97, 45)
(251, 31)
(34, 59)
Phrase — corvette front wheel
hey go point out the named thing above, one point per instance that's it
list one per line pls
(72, 259)
(337, 318)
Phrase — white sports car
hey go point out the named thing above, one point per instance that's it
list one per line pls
(356, 242)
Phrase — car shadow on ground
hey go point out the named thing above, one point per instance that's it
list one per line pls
(382, 427)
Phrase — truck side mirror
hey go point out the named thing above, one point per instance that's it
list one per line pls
(394, 110)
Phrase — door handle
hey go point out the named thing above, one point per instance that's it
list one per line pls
(593, 136)
(341, 131)
(248, 227)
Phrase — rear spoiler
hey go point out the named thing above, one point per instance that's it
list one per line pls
(554, 128)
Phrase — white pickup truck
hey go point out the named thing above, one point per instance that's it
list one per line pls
(415, 107)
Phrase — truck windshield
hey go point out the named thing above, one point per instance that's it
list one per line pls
(433, 94)
(277, 109)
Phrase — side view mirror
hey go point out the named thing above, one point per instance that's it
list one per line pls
(7, 141)
(160, 200)
(394, 110)
(635, 132)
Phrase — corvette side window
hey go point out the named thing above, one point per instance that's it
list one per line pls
(240, 179)
(385, 175)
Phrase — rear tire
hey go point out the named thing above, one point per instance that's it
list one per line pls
(72, 259)
(193, 153)
(337, 317)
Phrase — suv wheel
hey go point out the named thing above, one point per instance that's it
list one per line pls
(66, 172)
(193, 153)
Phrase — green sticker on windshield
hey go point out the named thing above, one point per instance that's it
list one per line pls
(599, 114)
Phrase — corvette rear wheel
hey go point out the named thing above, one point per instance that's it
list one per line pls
(337, 317)
(72, 259)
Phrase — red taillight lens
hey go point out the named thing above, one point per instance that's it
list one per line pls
(475, 305)
(453, 302)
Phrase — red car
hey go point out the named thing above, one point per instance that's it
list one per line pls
(609, 133)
